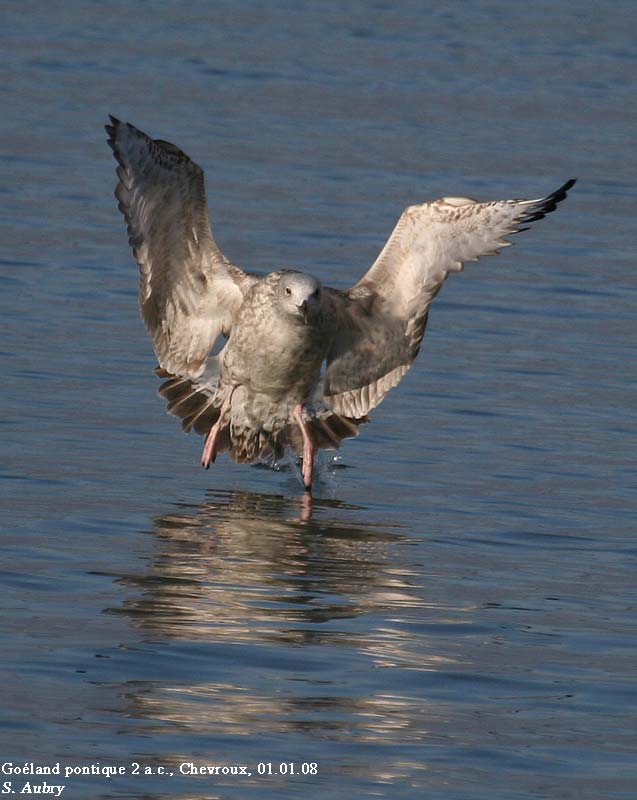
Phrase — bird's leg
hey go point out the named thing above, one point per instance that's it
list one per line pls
(309, 450)
(209, 453)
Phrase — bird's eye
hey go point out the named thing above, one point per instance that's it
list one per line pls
(288, 291)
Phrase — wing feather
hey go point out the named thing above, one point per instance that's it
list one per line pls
(188, 291)
(383, 316)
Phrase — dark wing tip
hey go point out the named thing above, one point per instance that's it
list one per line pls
(112, 128)
(116, 124)
(549, 203)
(560, 194)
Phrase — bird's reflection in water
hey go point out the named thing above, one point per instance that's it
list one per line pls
(245, 566)
(277, 604)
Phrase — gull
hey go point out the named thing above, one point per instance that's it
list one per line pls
(300, 364)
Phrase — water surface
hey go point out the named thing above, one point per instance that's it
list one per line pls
(454, 614)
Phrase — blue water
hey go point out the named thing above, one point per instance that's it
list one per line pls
(454, 617)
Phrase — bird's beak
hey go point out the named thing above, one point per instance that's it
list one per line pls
(303, 310)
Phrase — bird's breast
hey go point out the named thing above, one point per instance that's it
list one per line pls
(275, 359)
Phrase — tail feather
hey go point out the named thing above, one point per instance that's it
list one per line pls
(192, 402)
(198, 405)
(175, 389)
(203, 417)
(327, 430)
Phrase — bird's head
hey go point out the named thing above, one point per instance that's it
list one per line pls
(299, 295)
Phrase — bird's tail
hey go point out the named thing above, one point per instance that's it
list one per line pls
(193, 401)
(244, 434)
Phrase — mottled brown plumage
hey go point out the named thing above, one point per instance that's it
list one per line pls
(303, 364)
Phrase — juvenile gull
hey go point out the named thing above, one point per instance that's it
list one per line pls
(302, 364)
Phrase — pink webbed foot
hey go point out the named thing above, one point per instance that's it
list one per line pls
(309, 450)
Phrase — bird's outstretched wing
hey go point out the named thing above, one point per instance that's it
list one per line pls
(383, 317)
(188, 291)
